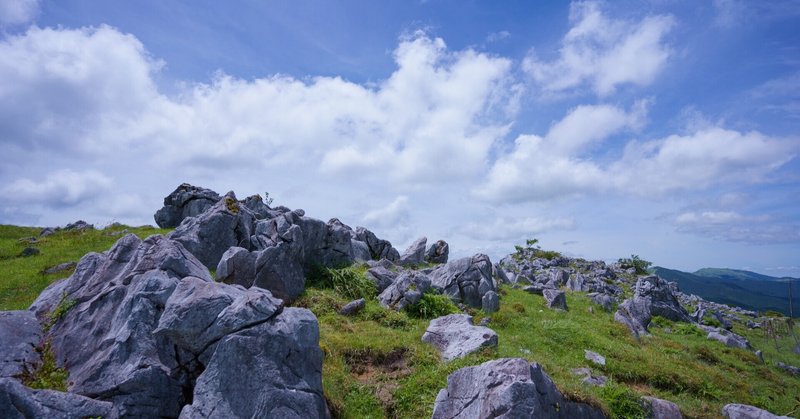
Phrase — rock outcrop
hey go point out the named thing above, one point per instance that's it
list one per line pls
(743, 411)
(455, 336)
(20, 334)
(652, 296)
(406, 289)
(661, 409)
(414, 254)
(438, 252)
(18, 401)
(184, 202)
(509, 387)
(465, 280)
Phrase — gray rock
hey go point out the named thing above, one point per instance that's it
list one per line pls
(652, 297)
(415, 253)
(280, 268)
(500, 275)
(184, 202)
(661, 409)
(273, 369)
(30, 251)
(47, 231)
(353, 307)
(18, 401)
(455, 336)
(199, 313)
(257, 206)
(61, 267)
(490, 302)
(743, 411)
(730, 339)
(360, 251)
(406, 289)
(605, 301)
(594, 357)
(20, 334)
(577, 282)
(325, 244)
(438, 252)
(381, 277)
(105, 340)
(208, 235)
(237, 266)
(535, 289)
(510, 388)
(556, 299)
(79, 225)
(760, 356)
(465, 280)
(589, 378)
(378, 248)
(795, 371)
(722, 320)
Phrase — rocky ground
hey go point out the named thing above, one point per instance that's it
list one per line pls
(145, 330)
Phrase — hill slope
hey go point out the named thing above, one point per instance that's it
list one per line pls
(739, 288)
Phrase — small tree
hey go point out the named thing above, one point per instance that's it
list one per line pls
(639, 264)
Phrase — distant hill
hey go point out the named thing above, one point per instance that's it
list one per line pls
(745, 289)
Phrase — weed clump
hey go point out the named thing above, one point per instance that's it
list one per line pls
(63, 306)
(622, 402)
(349, 282)
(47, 376)
(431, 306)
(232, 205)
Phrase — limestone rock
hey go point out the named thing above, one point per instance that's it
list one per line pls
(438, 252)
(381, 277)
(465, 280)
(415, 253)
(237, 266)
(455, 336)
(378, 248)
(184, 202)
(603, 300)
(661, 409)
(594, 357)
(652, 297)
(730, 339)
(556, 299)
(743, 411)
(353, 307)
(589, 378)
(18, 401)
(406, 289)
(20, 334)
(509, 387)
(490, 302)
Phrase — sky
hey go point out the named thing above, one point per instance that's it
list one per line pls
(669, 129)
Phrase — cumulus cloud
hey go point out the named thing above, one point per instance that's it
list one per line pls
(62, 188)
(603, 53)
(734, 226)
(17, 12)
(396, 212)
(505, 228)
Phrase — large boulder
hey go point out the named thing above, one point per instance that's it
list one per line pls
(325, 244)
(20, 334)
(438, 252)
(661, 409)
(414, 254)
(465, 280)
(652, 297)
(729, 339)
(405, 290)
(279, 268)
(555, 299)
(184, 202)
(743, 411)
(18, 402)
(378, 248)
(509, 388)
(455, 336)
(207, 236)
(106, 339)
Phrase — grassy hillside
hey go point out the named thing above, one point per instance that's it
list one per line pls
(735, 274)
(376, 365)
(719, 286)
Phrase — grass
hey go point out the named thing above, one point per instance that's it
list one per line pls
(22, 281)
(377, 366)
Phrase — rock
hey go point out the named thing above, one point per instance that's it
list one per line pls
(353, 307)
(795, 371)
(594, 357)
(378, 248)
(652, 297)
(500, 275)
(47, 231)
(577, 283)
(730, 339)
(360, 251)
(106, 339)
(509, 387)
(280, 269)
(237, 266)
(61, 267)
(438, 252)
(325, 244)
(753, 325)
(605, 301)
(556, 299)
(29, 251)
(414, 254)
(589, 378)
(184, 202)
(465, 280)
(490, 302)
(722, 320)
(79, 225)
(20, 334)
(406, 289)
(381, 277)
(535, 289)
(743, 411)
(760, 356)
(455, 336)
(208, 235)
(257, 206)
(273, 369)
(661, 409)
(18, 401)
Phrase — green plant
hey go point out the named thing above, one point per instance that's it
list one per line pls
(47, 375)
(639, 264)
(622, 402)
(232, 205)
(431, 306)
(547, 254)
(687, 329)
(267, 199)
(349, 282)
(63, 306)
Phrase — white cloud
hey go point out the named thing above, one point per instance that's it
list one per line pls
(497, 36)
(396, 212)
(603, 52)
(17, 12)
(505, 228)
(734, 226)
(62, 188)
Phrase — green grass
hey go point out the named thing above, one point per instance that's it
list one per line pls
(22, 281)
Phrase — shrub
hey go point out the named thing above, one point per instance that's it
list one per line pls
(687, 329)
(348, 282)
(622, 402)
(47, 376)
(548, 254)
(635, 262)
(386, 317)
(63, 306)
(431, 306)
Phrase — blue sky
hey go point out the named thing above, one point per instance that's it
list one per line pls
(667, 129)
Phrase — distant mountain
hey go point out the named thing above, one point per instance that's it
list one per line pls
(735, 287)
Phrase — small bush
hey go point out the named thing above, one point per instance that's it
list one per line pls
(622, 402)
(47, 376)
(349, 282)
(548, 254)
(687, 329)
(386, 317)
(431, 306)
(659, 321)
(635, 262)
(63, 306)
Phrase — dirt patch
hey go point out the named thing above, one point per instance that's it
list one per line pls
(379, 370)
